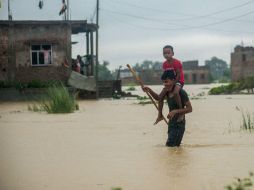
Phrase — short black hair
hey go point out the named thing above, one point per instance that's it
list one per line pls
(169, 47)
(168, 74)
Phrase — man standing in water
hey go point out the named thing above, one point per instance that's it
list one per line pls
(176, 128)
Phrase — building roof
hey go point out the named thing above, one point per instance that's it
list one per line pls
(77, 26)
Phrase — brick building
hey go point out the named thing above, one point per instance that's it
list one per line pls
(195, 74)
(37, 50)
(242, 63)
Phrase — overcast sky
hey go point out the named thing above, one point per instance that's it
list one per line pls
(132, 31)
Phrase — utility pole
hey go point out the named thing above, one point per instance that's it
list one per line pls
(68, 10)
(97, 50)
(9, 11)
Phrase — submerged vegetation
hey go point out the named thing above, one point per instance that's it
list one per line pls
(198, 96)
(116, 188)
(235, 87)
(57, 100)
(247, 120)
(247, 123)
(131, 88)
(143, 100)
(242, 184)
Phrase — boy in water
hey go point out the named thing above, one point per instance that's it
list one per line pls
(176, 66)
(176, 128)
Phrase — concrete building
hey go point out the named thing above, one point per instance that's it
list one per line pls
(242, 63)
(37, 50)
(195, 74)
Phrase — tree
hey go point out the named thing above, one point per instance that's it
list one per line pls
(148, 65)
(103, 72)
(218, 68)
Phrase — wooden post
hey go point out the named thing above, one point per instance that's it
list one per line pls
(87, 44)
(9, 11)
(92, 54)
(97, 50)
(68, 9)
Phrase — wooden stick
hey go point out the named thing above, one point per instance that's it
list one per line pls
(142, 85)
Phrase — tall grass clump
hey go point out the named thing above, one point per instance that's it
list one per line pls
(247, 121)
(59, 100)
(35, 108)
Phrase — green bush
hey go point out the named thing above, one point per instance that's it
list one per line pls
(234, 87)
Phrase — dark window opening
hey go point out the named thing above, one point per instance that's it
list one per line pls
(202, 76)
(194, 78)
(243, 57)
(41, 54)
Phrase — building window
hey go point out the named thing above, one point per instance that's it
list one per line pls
(41, 54)
(243, 57)
(194, 78)
(202, 76)
(186, 76)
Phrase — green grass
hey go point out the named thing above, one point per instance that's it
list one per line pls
(247, 122)
(57, 100)
(35, 108)
(242, 184)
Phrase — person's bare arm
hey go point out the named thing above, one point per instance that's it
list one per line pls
(185, 110)
(151, 92)
(162, 96)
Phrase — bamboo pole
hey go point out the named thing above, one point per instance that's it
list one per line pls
(142, 85)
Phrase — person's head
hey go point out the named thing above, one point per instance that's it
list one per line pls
(78, 57)
(168, 52)
(168, 77)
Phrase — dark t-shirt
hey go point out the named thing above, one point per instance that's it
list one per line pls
(172, 104)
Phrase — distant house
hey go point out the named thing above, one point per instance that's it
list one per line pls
(148, 76)
(126, 77)
(40, 50)
(242, 62)
(195, 74)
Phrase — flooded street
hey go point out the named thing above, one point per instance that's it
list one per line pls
(113, 143)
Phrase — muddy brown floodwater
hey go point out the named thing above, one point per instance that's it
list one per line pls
(113, 143)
